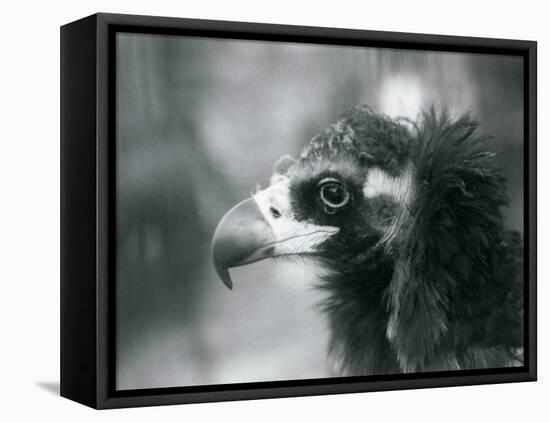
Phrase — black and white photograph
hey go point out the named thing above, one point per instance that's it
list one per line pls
(276, 211)
(296, 211)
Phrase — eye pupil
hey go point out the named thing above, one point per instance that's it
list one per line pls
(334, 195)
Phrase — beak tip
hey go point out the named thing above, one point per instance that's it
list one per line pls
(223, 273)
(227, 282)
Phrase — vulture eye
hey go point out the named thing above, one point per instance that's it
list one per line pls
(333, 194)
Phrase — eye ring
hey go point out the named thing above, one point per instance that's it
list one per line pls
(333, 194)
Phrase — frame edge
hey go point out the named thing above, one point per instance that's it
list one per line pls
(78, 212)
(105, 399)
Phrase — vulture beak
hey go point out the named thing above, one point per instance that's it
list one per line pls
(251, 232)
(243, 236)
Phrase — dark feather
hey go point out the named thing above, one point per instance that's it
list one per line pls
(444, 290)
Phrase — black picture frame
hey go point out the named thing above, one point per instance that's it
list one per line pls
(88, 197)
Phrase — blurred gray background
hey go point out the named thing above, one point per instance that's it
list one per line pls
(200, 122)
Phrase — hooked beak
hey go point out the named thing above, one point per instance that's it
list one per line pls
(241, 235)
(248, 233)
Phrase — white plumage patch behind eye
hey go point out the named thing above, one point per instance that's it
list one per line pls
(379, 182)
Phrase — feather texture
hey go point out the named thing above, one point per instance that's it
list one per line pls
(442, 287)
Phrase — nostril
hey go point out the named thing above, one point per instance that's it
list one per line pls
(274, 212)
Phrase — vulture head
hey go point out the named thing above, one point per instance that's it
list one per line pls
(406, 219)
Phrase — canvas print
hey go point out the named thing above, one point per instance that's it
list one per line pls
(290, 211)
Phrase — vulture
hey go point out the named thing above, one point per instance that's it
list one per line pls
(405, 219)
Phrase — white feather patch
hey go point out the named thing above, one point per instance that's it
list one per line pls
(379, 182)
